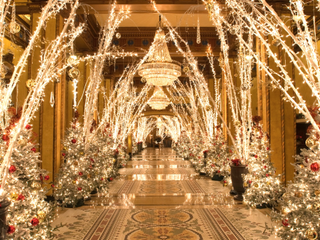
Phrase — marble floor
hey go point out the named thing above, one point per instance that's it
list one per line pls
(160, 196)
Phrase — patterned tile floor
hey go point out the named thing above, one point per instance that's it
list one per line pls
(159, 196)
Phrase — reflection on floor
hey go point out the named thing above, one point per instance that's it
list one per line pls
(159, 196)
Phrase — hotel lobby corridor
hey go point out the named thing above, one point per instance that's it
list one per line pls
(160, 196)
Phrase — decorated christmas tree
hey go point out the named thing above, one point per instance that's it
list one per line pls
(217, 157)
(123, 156)
(183, 146)
(29, 215)
(263, 186)
(110, 152)
(299, 218)
(74, 178)
(96, 174)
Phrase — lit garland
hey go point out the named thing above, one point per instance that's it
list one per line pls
(195, 71)
(48, 71)
(266, 25)
(300, 205)
(108, 31)
(49, 10)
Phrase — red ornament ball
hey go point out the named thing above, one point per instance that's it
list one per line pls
(63, 154)
(74, 140)
(91, 160)
(52, 185)
(79, 188)
(314, 167)
(28, 127)
(80, 173)
(285, 222)
(34, 221)
(110, 179)
(47, 177)
(21, 197)
(11, 229)
(12, 169)
(33, 149)
(5, 137)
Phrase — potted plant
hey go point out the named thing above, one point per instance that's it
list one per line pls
(237, 170)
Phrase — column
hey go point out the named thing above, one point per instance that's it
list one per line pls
(130, 144)
(289, 118)
(276, 121)
(47, 113)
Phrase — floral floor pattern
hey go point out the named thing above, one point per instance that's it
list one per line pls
(160, 223)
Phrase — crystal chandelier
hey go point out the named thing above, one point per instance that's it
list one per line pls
(159, 99)
(160, 69)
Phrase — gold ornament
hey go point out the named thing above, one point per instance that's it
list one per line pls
(245, 184)
(30, 83)
(14, 27)
(268, 183)
(310, 142)
(89, 176)
(127, 98)
(75, 163)
(74, 182)
(22, 141)
(298, 194)
(208, 108)
(64, 148)
(114, 160)
(316, 206)
(73, 60)
(311, 234)
(285, 210)
(256, 185)
(143, 80)
(237, 123)
(14, 196)
(81, 153)
(74, 73)
(36, 185)
(317, 193)
(186, 69)
(41, 215)
(118, 35)
(225, 184)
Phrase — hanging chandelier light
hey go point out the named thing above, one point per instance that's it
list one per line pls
(160, 69)
(159, 99)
